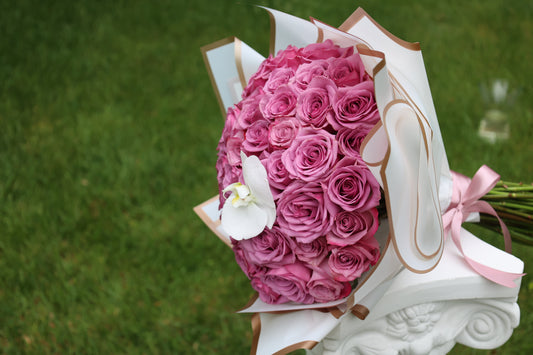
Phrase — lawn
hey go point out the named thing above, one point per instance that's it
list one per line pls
(108, 130)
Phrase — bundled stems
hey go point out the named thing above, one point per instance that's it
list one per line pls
(514, 204)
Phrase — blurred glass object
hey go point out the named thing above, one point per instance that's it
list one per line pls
(494, 125)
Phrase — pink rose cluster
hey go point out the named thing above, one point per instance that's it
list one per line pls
(305, 113)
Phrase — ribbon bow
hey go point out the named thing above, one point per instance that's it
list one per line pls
(466, 200)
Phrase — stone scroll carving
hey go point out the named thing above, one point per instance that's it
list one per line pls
(429, 313)
(428, 328)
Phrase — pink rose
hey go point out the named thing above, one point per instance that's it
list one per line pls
(278, 77)
(349, 262)
(256, 137)
(250, 269)
(302, 211)
(323, 288)
(229, 148)
(313, 103)
(280, 104)
(226, 175)
(270, 248)
(231, 128)
(352, 186)
(350, 227)
(324, 50)
(289, 58)
(278, 176)
(231, 120)
(347, 71)
(354, 105)
(311, 155)
(312, 253)
(266, 294)
(350, 140)
(233, 149)
(307, 71)
(282, 132)
(290, 281)
(264, 155)
(258, 80)
(248, 114)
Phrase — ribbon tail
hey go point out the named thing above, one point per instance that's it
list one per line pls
(485, 207)
(500, 277)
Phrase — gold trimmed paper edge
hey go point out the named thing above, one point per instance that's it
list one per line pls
(238, 62)
(272, 44)
(199, 210)
(204, 51)
(359, 14)
(306, 344)
(406, 99)
(387, 204)
(360, 311)
(256, 329)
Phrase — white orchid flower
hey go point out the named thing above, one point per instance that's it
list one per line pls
(250, 207)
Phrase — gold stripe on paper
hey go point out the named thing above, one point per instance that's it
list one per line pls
(387, 204)
(250, 302)
(307, 344)
(320, 37)
(359, 14)
(367, 139)
(238, 62)
(206, 49)
(213, 225)
(360, 311)
(272, 48)
(256, 329)
(335, 312)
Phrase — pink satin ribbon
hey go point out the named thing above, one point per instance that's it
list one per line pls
(466, 200)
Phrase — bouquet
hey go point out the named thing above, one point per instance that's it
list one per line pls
(333, 176)
(299, 128)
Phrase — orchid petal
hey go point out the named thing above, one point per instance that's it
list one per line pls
(271, 216)
(243, 222)
(250, 207)
(255, 177)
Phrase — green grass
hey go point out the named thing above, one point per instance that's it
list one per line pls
(108, 129)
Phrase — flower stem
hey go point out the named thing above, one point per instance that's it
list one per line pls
(513, 202)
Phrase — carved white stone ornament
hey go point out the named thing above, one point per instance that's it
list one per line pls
(428, 328)
(429, 313)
